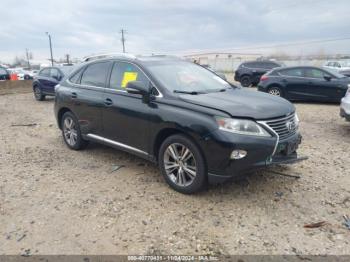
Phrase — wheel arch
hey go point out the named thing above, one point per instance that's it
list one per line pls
(60, 114)
(170, 131)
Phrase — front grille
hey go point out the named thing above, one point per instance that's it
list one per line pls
(284, 127)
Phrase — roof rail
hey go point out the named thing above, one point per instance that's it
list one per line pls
(106, 55)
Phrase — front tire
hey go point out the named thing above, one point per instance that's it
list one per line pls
(182, 164)
(71, 132)
(38, 94)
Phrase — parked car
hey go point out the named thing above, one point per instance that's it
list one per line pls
(45, 81)
(33, 73)
(4, 74)
(305, 83)
(22, 74)
(249, 73)
(337, 65)
(345, 105)
(196, 126)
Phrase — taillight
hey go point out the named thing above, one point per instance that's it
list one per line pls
(264, 78)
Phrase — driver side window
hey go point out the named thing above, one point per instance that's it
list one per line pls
(124, 72)
(55, 73)
(315, 73)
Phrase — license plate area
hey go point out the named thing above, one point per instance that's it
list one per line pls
(289, 147)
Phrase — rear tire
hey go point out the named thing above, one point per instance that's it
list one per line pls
(71, 132)
(276, 91)
(246, 81)
(38, 94)
(182, 164)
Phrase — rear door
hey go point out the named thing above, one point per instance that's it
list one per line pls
(86, 96)
(125, 116)
(294, 82)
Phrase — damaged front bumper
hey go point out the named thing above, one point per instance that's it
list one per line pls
(261, 152)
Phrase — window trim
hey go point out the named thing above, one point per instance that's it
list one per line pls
(303, 68)
(160, 95)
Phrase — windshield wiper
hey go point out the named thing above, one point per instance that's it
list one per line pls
(188, 92)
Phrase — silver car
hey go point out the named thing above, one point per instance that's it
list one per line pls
(345, 105)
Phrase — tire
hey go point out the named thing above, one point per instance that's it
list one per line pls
(276, 91)
(26, 77)
(186, 175)
(246, 81)
(38, 94)
(71, 132)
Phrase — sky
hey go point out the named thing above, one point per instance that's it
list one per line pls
(85, 27)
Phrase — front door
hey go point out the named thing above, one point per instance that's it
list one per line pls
(322, 86)
(125, 116)
(44, 79)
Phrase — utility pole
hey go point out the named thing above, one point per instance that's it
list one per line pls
(27, 55)
(67, 58)
(123, 39)
(50, 47)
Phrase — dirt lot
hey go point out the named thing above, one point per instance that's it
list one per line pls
(57, 201)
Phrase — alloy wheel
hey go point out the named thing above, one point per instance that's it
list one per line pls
(180, 164)
(274, 92)
(70, 132)
(37, 92)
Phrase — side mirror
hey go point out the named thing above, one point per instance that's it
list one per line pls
(327, 78)
(139, 88)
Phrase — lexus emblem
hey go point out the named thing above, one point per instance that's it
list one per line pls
(289, 125)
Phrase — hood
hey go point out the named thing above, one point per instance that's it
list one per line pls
(243, 103)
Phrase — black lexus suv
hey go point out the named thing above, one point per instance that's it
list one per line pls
(195, 125)
(249, 73)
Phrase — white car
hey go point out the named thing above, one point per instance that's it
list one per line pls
(345, 105)
(338, 66)
(22, 74)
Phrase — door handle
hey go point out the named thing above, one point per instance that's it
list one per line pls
(74, 95)
(108, 102)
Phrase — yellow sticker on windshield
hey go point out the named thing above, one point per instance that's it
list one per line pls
(128, 76)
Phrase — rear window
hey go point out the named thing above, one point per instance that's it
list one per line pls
(292, 72)
(95, 74)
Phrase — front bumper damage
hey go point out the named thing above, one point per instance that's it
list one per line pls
(262, 152)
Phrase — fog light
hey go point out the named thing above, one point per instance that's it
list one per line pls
(238, 154)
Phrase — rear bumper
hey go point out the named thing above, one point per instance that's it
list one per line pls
(219, 146)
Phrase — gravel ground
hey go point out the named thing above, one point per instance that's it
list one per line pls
(57, 201)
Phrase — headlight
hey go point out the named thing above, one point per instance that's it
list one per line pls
(241, 126)
(296, 120)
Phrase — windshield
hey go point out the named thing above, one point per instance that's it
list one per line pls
(181, 76)
(334, 73)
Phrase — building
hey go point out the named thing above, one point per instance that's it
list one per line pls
(224, 62)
